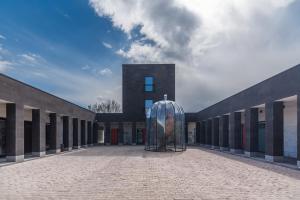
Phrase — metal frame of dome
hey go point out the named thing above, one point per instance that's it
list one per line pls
(165, 127)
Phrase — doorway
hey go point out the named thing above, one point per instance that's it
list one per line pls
(140, 135)
(114, 136)
(261, 136)
(2, 137)
(27, 137)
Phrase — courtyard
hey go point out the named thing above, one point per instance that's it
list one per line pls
(129, 172)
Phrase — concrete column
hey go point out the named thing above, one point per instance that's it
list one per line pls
(134, 133)
(202, 132)
(65, 122)
(215, 133)
(70, 123)
(76, 133)
(38, 132)
(198, 127)
(224, 132)
(15, 132)
(90, 133)
(251, 123)
(235, 132)
(274, 131)
(208, 133)
(83, 133)
(298, 131)
(121, 133)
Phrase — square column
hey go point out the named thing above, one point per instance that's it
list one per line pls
(235, 132)
(224, 132)
(121, 133)
(251, 123)
(215, 133)
(89, 133)
(208, 133)
(70, 123)
(274, 131)
(198, 125)
(202, 132)
(76, 133)
(15, 132)
(38, 132)
(134, 133)
(83, 133)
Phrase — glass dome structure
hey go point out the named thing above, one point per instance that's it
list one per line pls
(165, 127)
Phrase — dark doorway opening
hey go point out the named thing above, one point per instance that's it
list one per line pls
(261, 136)
(114, 136)
(27, 137)
(48, 136)
(140, 135)
(2, 137)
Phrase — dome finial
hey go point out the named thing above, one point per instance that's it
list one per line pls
(165, 97)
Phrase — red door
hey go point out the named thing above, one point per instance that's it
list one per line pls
(114, 136)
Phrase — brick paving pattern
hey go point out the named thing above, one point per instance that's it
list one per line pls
(128, 172)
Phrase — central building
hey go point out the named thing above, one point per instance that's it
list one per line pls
(142, 85)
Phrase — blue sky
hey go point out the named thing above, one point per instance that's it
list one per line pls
(75, 49)
(42, 37)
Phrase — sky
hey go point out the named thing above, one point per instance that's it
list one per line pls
(75, 49)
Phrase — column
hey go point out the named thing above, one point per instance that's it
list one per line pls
(251, 123)
(15, 132)
(208, 133)
(107, 133)
(38, 132)
(70, 142)
(223, 132)
(76, 135)
(274, 131)
(134, 133)
(202, 132)
(121, 133)
(198, 127)
(83, 133)
(235, 132)
(215, 133)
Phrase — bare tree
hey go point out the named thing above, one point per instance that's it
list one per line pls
(106, 106)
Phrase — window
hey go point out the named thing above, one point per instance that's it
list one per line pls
(148, 105)
(149, 86)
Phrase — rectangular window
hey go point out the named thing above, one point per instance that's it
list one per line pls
(148, 105)
(149, 85)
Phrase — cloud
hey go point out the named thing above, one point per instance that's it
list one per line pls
(219, 47)
(5, 66)
(86, 67)
(107, 45)
(2, 37)
(105, 72)
(30, 57)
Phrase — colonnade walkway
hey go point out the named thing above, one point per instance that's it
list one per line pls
(129, 172)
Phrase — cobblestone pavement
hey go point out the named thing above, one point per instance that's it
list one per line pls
(128, 172)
